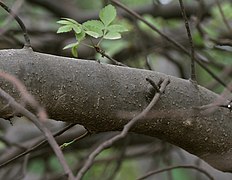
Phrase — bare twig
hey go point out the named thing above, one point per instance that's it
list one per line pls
(100, 51)
(74, 140)
(172, 41)
(153, 84)
(38, 144)
(223, 16)
(40, 125)
(224, 74)
(15, 8)
(37, 121)
(148, 64)
(24, 167)
(148, 152)
(20, 22)
(123, 133)
(176, 167)
(200, 16)
(119, 161)
(193, 73)
(7, 143)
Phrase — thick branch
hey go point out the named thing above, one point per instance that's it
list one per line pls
(104, 98)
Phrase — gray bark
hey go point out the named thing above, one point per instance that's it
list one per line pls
(104, 97)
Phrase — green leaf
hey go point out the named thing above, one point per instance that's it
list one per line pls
(107, 14)
(94, 28)
(74, 51)
(80, 36)
(70, 20)
(74, 47)
(117, 28)
(76, 29)
(71, 45)
(65, 28)
(64, 22)
(94, 23)
(93, 34)
(112, 35)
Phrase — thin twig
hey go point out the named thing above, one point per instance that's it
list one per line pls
(24, 167)
(15, 7)
(38, 145)
(150, 152)
(123, 133)
(148, 66)
(76, 139)
(176, 62)
(38, 122)
(120, 159)
(176, 167)
(153, 84)
(20, 22)
(193, 73)
(7, 143)
(100, 51)
(179, 46)
(223, 16)
(200, 16)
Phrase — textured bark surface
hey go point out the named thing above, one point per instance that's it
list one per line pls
(104, 97)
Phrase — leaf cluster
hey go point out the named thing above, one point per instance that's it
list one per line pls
(103, 28)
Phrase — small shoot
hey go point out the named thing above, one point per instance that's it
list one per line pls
(105, 28)
(64, 145)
